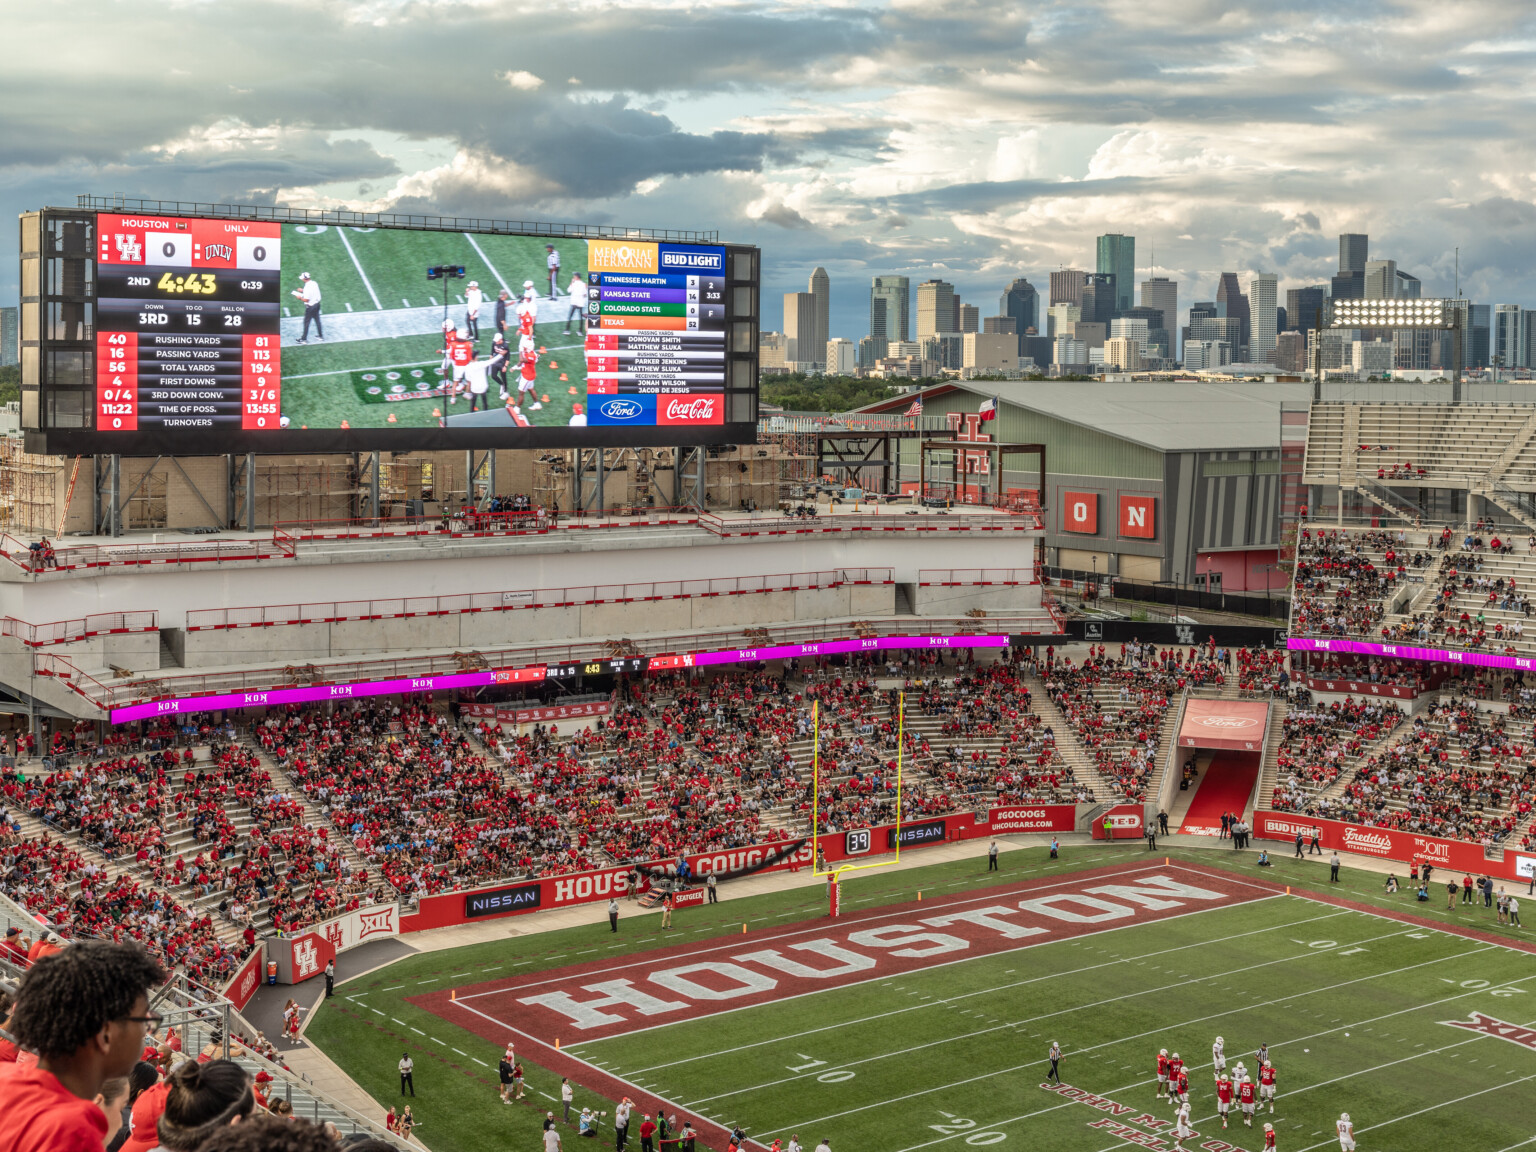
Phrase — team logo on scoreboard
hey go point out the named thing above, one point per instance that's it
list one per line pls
(621, 256)
(218, 252)
(129, 250)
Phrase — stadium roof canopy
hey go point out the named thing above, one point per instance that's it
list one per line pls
(1169, 416)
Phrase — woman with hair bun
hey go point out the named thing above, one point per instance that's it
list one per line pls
(202, 1098)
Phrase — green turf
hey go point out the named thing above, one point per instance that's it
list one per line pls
(963, 1049)
(323, 383)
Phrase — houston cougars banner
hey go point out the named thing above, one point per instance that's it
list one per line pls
(1237, 725)
(1362, 688)
(242, 986)
(353, 928)
(1383, 843)
(536, 715)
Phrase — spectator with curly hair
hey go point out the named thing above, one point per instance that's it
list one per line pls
(85, 1012)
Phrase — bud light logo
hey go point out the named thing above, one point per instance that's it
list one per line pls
(680, 258)
(620, 409)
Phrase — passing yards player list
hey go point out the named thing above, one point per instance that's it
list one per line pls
(187, 329)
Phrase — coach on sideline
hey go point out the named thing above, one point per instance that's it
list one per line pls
(309, 293)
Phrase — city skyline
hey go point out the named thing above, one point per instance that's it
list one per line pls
(869, 140)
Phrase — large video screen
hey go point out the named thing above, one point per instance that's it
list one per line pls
(278, 337)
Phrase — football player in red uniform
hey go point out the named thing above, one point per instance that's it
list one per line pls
(1269, 1138)
(1223, 1098)
(1245, 1100)
(1162, 1073)
(1267, 1084)
(1181, 1087)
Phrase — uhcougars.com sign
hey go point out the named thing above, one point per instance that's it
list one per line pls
(1033, 818)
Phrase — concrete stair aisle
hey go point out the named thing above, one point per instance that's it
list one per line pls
(1269, 773)
(1067, 743)
(282, 782)
(1167, 735)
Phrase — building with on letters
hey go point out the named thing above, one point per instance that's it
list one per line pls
(1147, 481)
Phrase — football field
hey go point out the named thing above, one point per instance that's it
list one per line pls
(379, 364)
(925, 1024)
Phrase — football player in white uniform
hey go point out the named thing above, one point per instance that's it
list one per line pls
(1182, 1130)
(1219, 1057)
(1346, 1129)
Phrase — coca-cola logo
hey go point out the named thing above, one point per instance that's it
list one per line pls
(691, 409)
(620, 409)
(1376, 843)
(694, 408)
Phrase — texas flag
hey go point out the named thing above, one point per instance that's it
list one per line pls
(989, 409)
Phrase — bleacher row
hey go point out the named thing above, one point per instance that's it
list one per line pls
(1448, 445)
(199, 848)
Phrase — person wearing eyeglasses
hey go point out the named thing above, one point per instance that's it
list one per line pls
(85, 1012)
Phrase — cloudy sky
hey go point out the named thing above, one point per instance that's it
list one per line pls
(968, 140)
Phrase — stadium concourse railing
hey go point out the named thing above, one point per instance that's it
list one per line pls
(79, 557)
(909, 520)
(82, 628)
(205, 1015)
(163, 687)
(269, 615)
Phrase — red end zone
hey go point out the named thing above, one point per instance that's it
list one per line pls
(668, 985)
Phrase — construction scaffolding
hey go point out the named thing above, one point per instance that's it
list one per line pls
(29, 488)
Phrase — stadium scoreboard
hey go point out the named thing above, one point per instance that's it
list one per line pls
(243, 330)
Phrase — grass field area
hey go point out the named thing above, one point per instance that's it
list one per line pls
(1354, 1006)
(383, 323)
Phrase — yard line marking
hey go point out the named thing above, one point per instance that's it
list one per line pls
(1352, 1075)
(356, 263)
(1281, 1044)
(1431, 1108)
(479, 1061)
(456, 975)
(978, 992)
(1108, 1043)
(349, 306)
(416, 1030)
(404, 301)
(480, 252)
(380, 1013)
(394, 988)
(461, 1053)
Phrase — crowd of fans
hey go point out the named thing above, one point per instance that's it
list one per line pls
(1339, 590)
(1318, 742)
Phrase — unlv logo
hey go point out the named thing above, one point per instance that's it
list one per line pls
(218, 252)
(306, 960)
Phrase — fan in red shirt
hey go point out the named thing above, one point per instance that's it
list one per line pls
(84, 1011)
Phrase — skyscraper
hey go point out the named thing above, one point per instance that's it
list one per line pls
(1380, 279)
(1508, 336)
(1232, 304)
(821, 289)
(1022, 302)
(1476, 351)
(1067, 286)
(935, 308)
(800, 329)
(970, 318)
(1117, 256)
(1262, 290)
(1100, 296)
(1354, 251)
(890, 308)
(1162, 293)
(1302, 306)
(9, 337)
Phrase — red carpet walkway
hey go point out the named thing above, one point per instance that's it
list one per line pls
(1224, 786)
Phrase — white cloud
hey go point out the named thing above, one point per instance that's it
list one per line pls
(523, 81)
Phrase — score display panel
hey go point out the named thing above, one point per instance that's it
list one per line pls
(219, 335)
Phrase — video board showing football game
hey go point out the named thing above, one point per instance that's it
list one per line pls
(226, 334)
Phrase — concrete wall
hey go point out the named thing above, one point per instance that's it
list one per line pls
(544, 562)
(936, 601)
(208, 648)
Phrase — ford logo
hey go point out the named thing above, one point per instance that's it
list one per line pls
(619, 409)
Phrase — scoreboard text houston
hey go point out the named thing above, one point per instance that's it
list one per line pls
(235, 332)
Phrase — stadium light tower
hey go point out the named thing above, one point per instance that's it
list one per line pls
(1395, 313)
